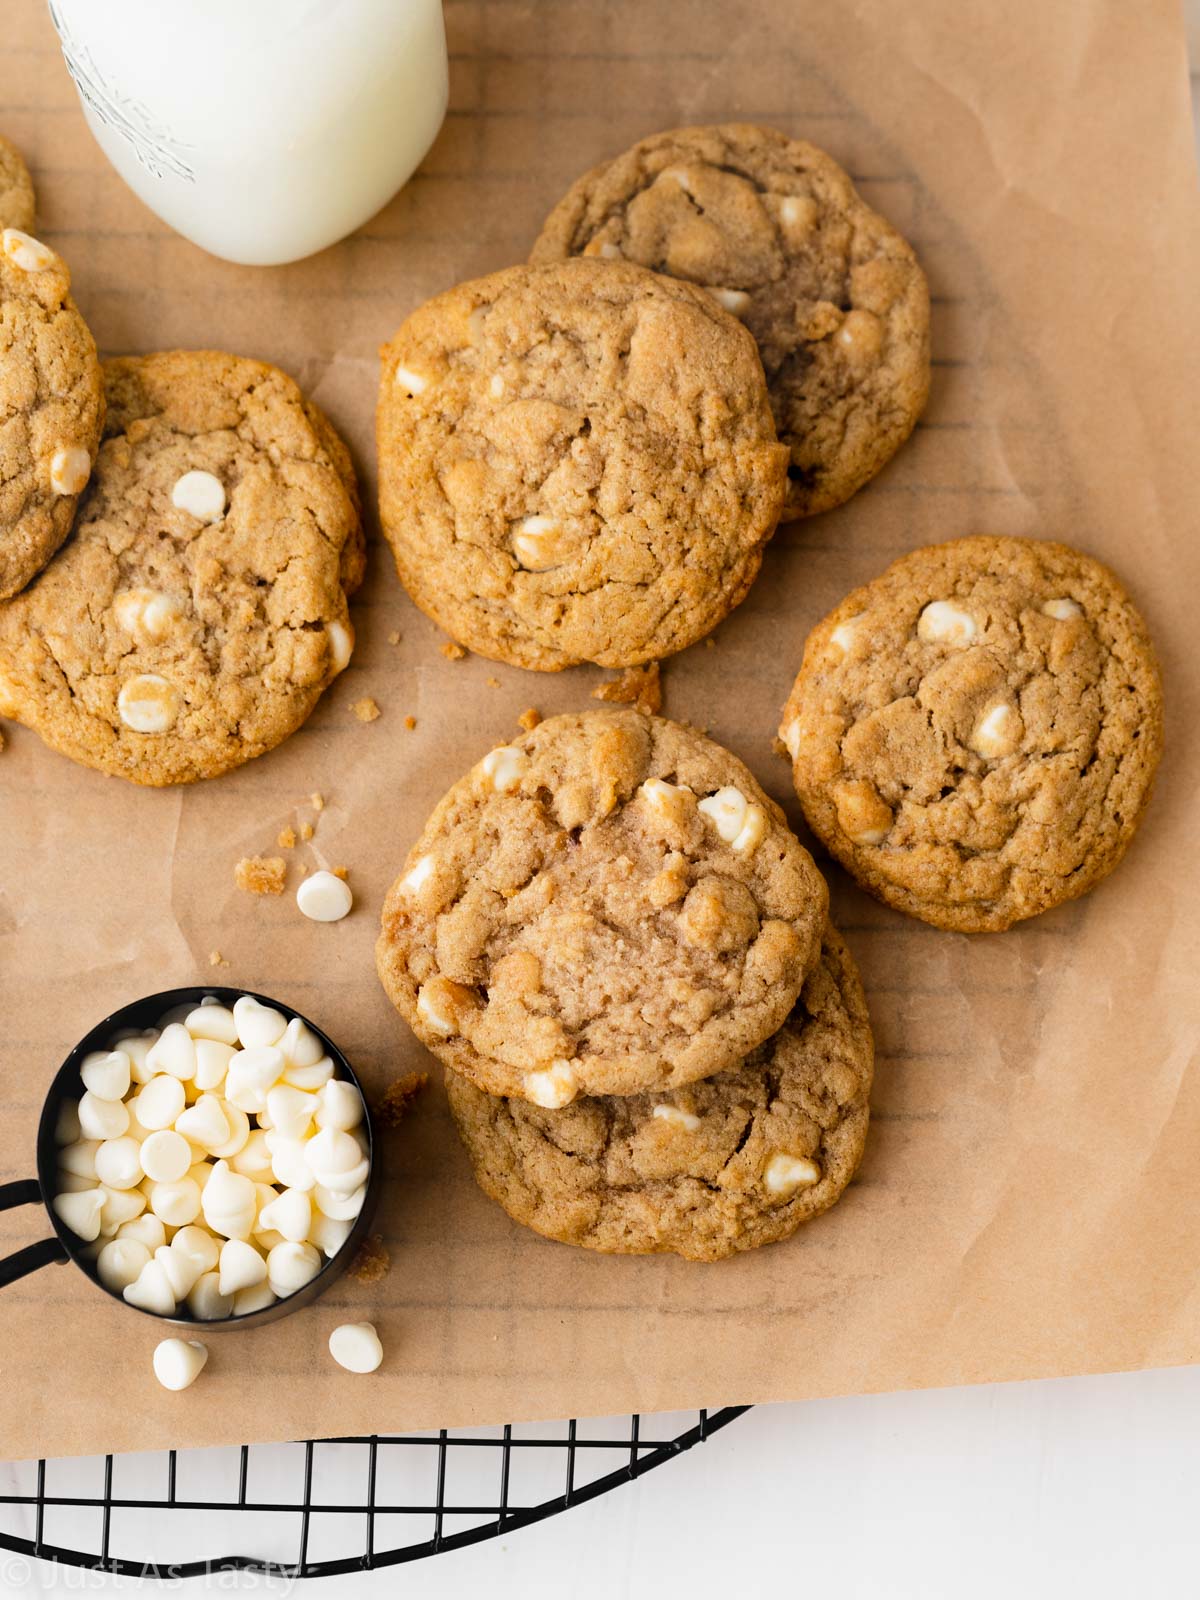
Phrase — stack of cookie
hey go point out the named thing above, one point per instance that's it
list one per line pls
(654, 1038)
(583, 458)
(178, 537)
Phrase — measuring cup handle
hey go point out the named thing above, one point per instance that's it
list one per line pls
(33, 1256)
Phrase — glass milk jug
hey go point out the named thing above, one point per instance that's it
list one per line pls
(262, 130)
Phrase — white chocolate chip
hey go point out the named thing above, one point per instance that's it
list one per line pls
(341, 644)
(676, 1117)
(145, 613)
(541, 543)
(212, 1022)
(151, 1290)
(173, 1053)
(676, 175)
(752, 831)
(175, 1204)
(418, 874)
(338, 1207)
(997, 733)
(290, 1266)
(339, 1105)
(300, 1046)
(941, 622)
(180, 1268)
(496, 386)
(783, 1174)
(609, 251)
(311, 1078)
(1062, 610)
(553, 1087)
(843, 635)
(328, 1234)
(26, 252)
(79, 1158)
(198, 1245)
(414, 382)
(81, 1211)
(797, 213)
(212, 1063)
(206, 1302)
(324, 897)
(356, 1346)
(102, 1119)
(119, 1163)
(258, 1026)
(165, 1156)
(120, 1262)
(106, 1074)
(289, 1163)
(148, 703)
(672, 801)
(201, 495)
(179, 1362)
(791, 733)
(119, 1206)
(289, 1214)
(70, 469)
(230, 1204)
(259, 1298)
(728, 811)
(291, 1110)
(242, 1267)
(253, 1160)
(505, 767)
(159, 1103)
(736, 301)
(146, 1229)
(332, 1154)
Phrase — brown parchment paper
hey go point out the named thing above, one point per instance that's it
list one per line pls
(1030, 1200)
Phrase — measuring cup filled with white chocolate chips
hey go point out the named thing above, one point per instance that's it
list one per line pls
(205, 1156)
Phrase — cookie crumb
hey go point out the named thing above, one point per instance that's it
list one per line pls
(318, 802)
(492, 683)
(287, 838)
(1, 741)
(340, 872)
(393, 637)
(372, 1261)
(216, 959)
(397, 1098)
(306, 831)
(453, 651)
(710, 643)
(529, 718)
(640, 687)
(410, 723)
(366, 710)
(261, 874)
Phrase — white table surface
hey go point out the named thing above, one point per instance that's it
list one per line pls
(1075, 1487)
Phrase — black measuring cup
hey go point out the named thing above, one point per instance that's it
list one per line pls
(65, 1245)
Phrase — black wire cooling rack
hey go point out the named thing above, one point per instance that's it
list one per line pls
(355, 1495)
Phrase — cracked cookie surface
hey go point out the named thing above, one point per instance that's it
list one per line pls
(199, 611)
(738, 1160)
(776, 230)
(974, 735)
(51, 406)
(610, 904)
(576, 464)
(16, 188)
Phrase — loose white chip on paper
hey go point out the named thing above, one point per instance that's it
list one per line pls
(179, 1362)
(324, 897)
(356, 1346)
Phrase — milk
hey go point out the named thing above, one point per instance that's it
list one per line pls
(260, 129)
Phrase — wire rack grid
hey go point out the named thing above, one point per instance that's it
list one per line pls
(362, 1502)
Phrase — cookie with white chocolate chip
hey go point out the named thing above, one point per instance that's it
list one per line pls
(609, 905)
(51, 406)
(576, 463)
(16, 188)
(200, 609)
(776, 231)
(974, 735)
(739, 1160)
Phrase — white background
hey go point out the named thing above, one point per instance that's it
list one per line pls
(1080, 1487)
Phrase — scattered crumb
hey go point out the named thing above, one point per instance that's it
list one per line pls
(287, 838)
(216, 959)
(637, 686)
(1, 741)
(393, 638)
(304, 869)
(710, 643)
(410, 723)
(340, 872)
(261, 874)
(306, 831)
(399, 1095)
(492, 683)
(529, 718)
(318, 802)
(453, 651)
(372, 1261)
(365, 709)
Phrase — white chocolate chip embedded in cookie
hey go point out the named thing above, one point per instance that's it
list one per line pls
(676, 1117)
(504, 767)
(673, 802)
(25, 252)
(862, 815)
(411, 381)
(735, 301)
(860, 335)
(542, 543)
(998, 732)
(341, 644)
(145, 613)
(70, 468)
(419, 874)
(738, 821)
(843, 636)
(148, 703)
(784, 1174)
(553, 1087)
(441, 1002)
(1062, 610)
(942, 622)
(201, 495)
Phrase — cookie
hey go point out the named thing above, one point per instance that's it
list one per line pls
(608, 905)
(51, 406)
(16, 188)
(736, 1161)
(199, 611)
(576, 464)
(777, 232)
(974, 735)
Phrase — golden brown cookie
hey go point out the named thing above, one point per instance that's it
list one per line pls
(733, 1162)
(51, 406)
(16, 188)
(774, 228)
(607, 905)
(198, 612)
(974, 735)
(576, 464)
